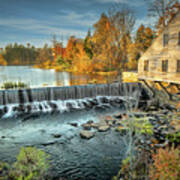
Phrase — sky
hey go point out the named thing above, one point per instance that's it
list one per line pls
(36, 21)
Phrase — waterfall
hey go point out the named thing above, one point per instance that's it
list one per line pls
(62, 99)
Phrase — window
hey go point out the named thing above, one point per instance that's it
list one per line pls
(178, 66)
(146, 65)
(179, 38)
(165, 66)
(165, 39)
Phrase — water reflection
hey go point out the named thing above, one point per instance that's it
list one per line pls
(41, 77)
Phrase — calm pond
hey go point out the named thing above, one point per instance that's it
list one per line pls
(42, 77)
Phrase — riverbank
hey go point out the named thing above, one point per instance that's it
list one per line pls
(131, 76)
(76, 136)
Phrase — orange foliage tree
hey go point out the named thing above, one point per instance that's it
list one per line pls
(101, 44)
(2, 61)
(166, 165)
(76, 56)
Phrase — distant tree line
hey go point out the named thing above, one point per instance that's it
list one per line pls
(18, 54)
(113, 45)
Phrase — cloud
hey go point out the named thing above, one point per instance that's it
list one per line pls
(66, 24)
(127, 2)
(107, 1)
(77, 19)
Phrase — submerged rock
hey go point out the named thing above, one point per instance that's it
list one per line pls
(87, 134)
(56, 135)
(74, 124)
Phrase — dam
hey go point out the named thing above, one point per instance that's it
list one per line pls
(47, 99)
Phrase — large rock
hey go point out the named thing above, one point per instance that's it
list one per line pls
(87, 134)
(86, 126)
(103, 128)
(109, 118)
(95, 125)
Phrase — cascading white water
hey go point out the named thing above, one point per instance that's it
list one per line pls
(60, 105)
(62, 99)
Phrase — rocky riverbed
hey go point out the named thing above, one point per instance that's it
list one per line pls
(88, 144)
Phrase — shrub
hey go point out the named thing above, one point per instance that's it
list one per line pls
(174, 137)
(4, 170)
(14, 85)
(166, 164)
(137, 170)
(138, 125)
(31, 164)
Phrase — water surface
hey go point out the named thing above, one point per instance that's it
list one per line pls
(42, 77)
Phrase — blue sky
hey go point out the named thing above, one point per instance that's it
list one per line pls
(35, 21)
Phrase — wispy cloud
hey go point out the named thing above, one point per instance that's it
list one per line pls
(70, 23)
(65, 24)
(128, 2)
(77, 19)
(33, 21)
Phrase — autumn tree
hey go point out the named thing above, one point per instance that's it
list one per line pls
(2, 61)
(101, 43)
(77, 58)
(18, 54)
(88, 45)
(82, 59)
(71, 49)
(122, 21)
(143, 40)
(45, 57)
(163, 11)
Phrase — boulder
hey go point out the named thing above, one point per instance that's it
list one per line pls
(102, 107)
(110, 123)
(109, 118)
(95, 125)
(87, 134)
(86, 126)
(118, 116)
(90, 122)
(103, 128)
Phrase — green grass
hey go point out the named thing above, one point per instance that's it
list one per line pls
(14, 85)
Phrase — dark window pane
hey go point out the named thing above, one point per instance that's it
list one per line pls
(179, 38)
(178, 65)
(146, 66)
(165, 66)
(165, 39)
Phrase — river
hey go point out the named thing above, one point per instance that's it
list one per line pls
(71, 156)
(42, 77)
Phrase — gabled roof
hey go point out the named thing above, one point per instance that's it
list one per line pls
(171, 21)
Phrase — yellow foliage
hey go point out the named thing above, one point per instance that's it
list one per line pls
(2, 61)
